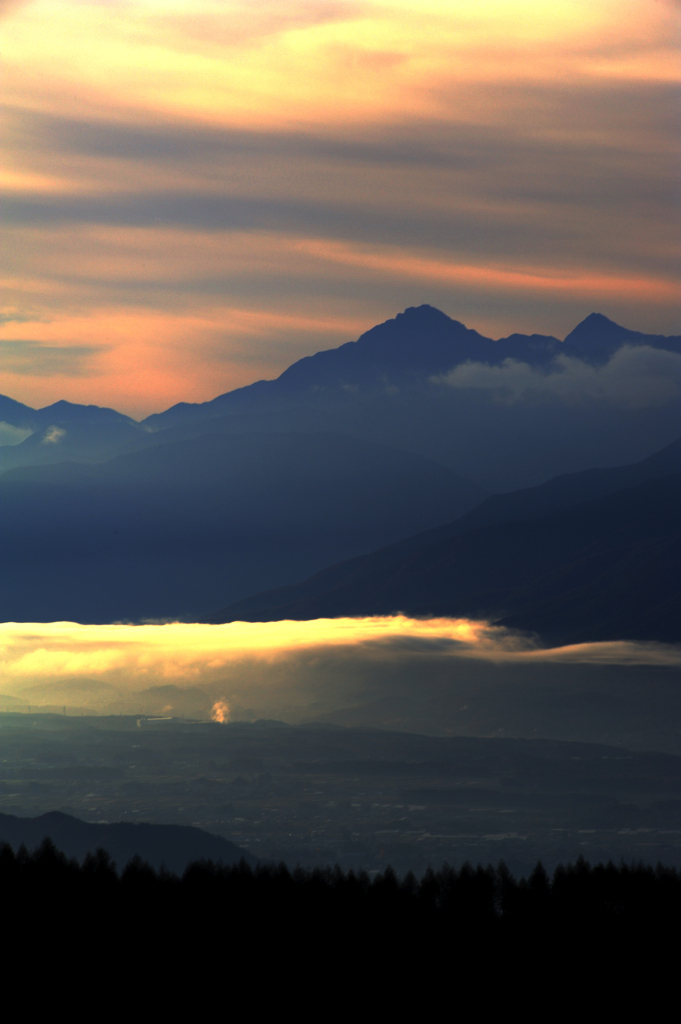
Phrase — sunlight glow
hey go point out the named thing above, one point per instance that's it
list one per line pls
(512, 149)
(243, 670)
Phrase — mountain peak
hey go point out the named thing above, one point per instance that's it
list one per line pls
(596, 325)
(424, 312)
(63, 411)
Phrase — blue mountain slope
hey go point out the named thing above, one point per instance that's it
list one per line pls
(590, 556)
(168, 531)
(415, 345)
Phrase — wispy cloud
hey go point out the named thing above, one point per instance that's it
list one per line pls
(34, 358)
(53, 435)
(504, 161)
(11, 435)
(635, 378)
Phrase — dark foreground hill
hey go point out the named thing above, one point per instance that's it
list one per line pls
(543, 559)
(163, 846)
(171, 531)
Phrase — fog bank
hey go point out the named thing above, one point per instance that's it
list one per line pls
(438, 676)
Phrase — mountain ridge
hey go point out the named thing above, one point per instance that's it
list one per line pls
(396, 578)
(162, 846)
(395, 386)
(596, 330)
(538, 350)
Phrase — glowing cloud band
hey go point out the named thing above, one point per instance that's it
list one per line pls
(290, 670)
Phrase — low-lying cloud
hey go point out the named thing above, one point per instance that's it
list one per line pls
(11, 435)
(416, 672)
(635, 377)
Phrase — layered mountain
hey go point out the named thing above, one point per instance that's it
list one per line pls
(171, 531)
(349, 451)
(508, 413)
(416, 345)
(64, 431)
(591, 556)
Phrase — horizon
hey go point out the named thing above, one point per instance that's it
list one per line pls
(589, 316)
(197, 196)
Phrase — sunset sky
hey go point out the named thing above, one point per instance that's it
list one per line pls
(198, 193)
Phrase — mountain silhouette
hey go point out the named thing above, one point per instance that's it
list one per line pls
(169, 846)
(65, 431)
(417, 344)
(596, 338)
(394, 386)
(544, 559)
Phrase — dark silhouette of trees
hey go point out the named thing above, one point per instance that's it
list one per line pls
(477, 926)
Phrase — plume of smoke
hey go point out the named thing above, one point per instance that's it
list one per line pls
(220, 711)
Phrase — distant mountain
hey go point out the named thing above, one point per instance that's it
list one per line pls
(64, 431)
(74, 441)
(173, 530)
(544, 560)
(517, 414)
(508, 413)
(420, 343)
(16, 413)
(170, 846)
(20, 415)
(597, 338)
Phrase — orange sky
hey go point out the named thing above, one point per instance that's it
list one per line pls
(196, 194)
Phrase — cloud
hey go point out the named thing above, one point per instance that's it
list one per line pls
(37, 359)
(11, 435)
(494, 137)
(53, 435)
(8, 7)
(16, 318)
(636, 377)
(294, 671)
(210, 27)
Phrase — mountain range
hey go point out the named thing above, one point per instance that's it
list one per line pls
(342, 457)
(506, 414)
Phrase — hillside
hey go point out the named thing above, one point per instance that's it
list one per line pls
(169, 846)
(603, 568)
(174, 530)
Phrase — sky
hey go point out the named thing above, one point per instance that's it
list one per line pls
(290, 671)
(198, 193)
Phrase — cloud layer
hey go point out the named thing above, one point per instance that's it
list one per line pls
(634, 378)
(175, 171)
(293, 671)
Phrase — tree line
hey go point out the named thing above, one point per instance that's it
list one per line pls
(475, 935)
(487, 898)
